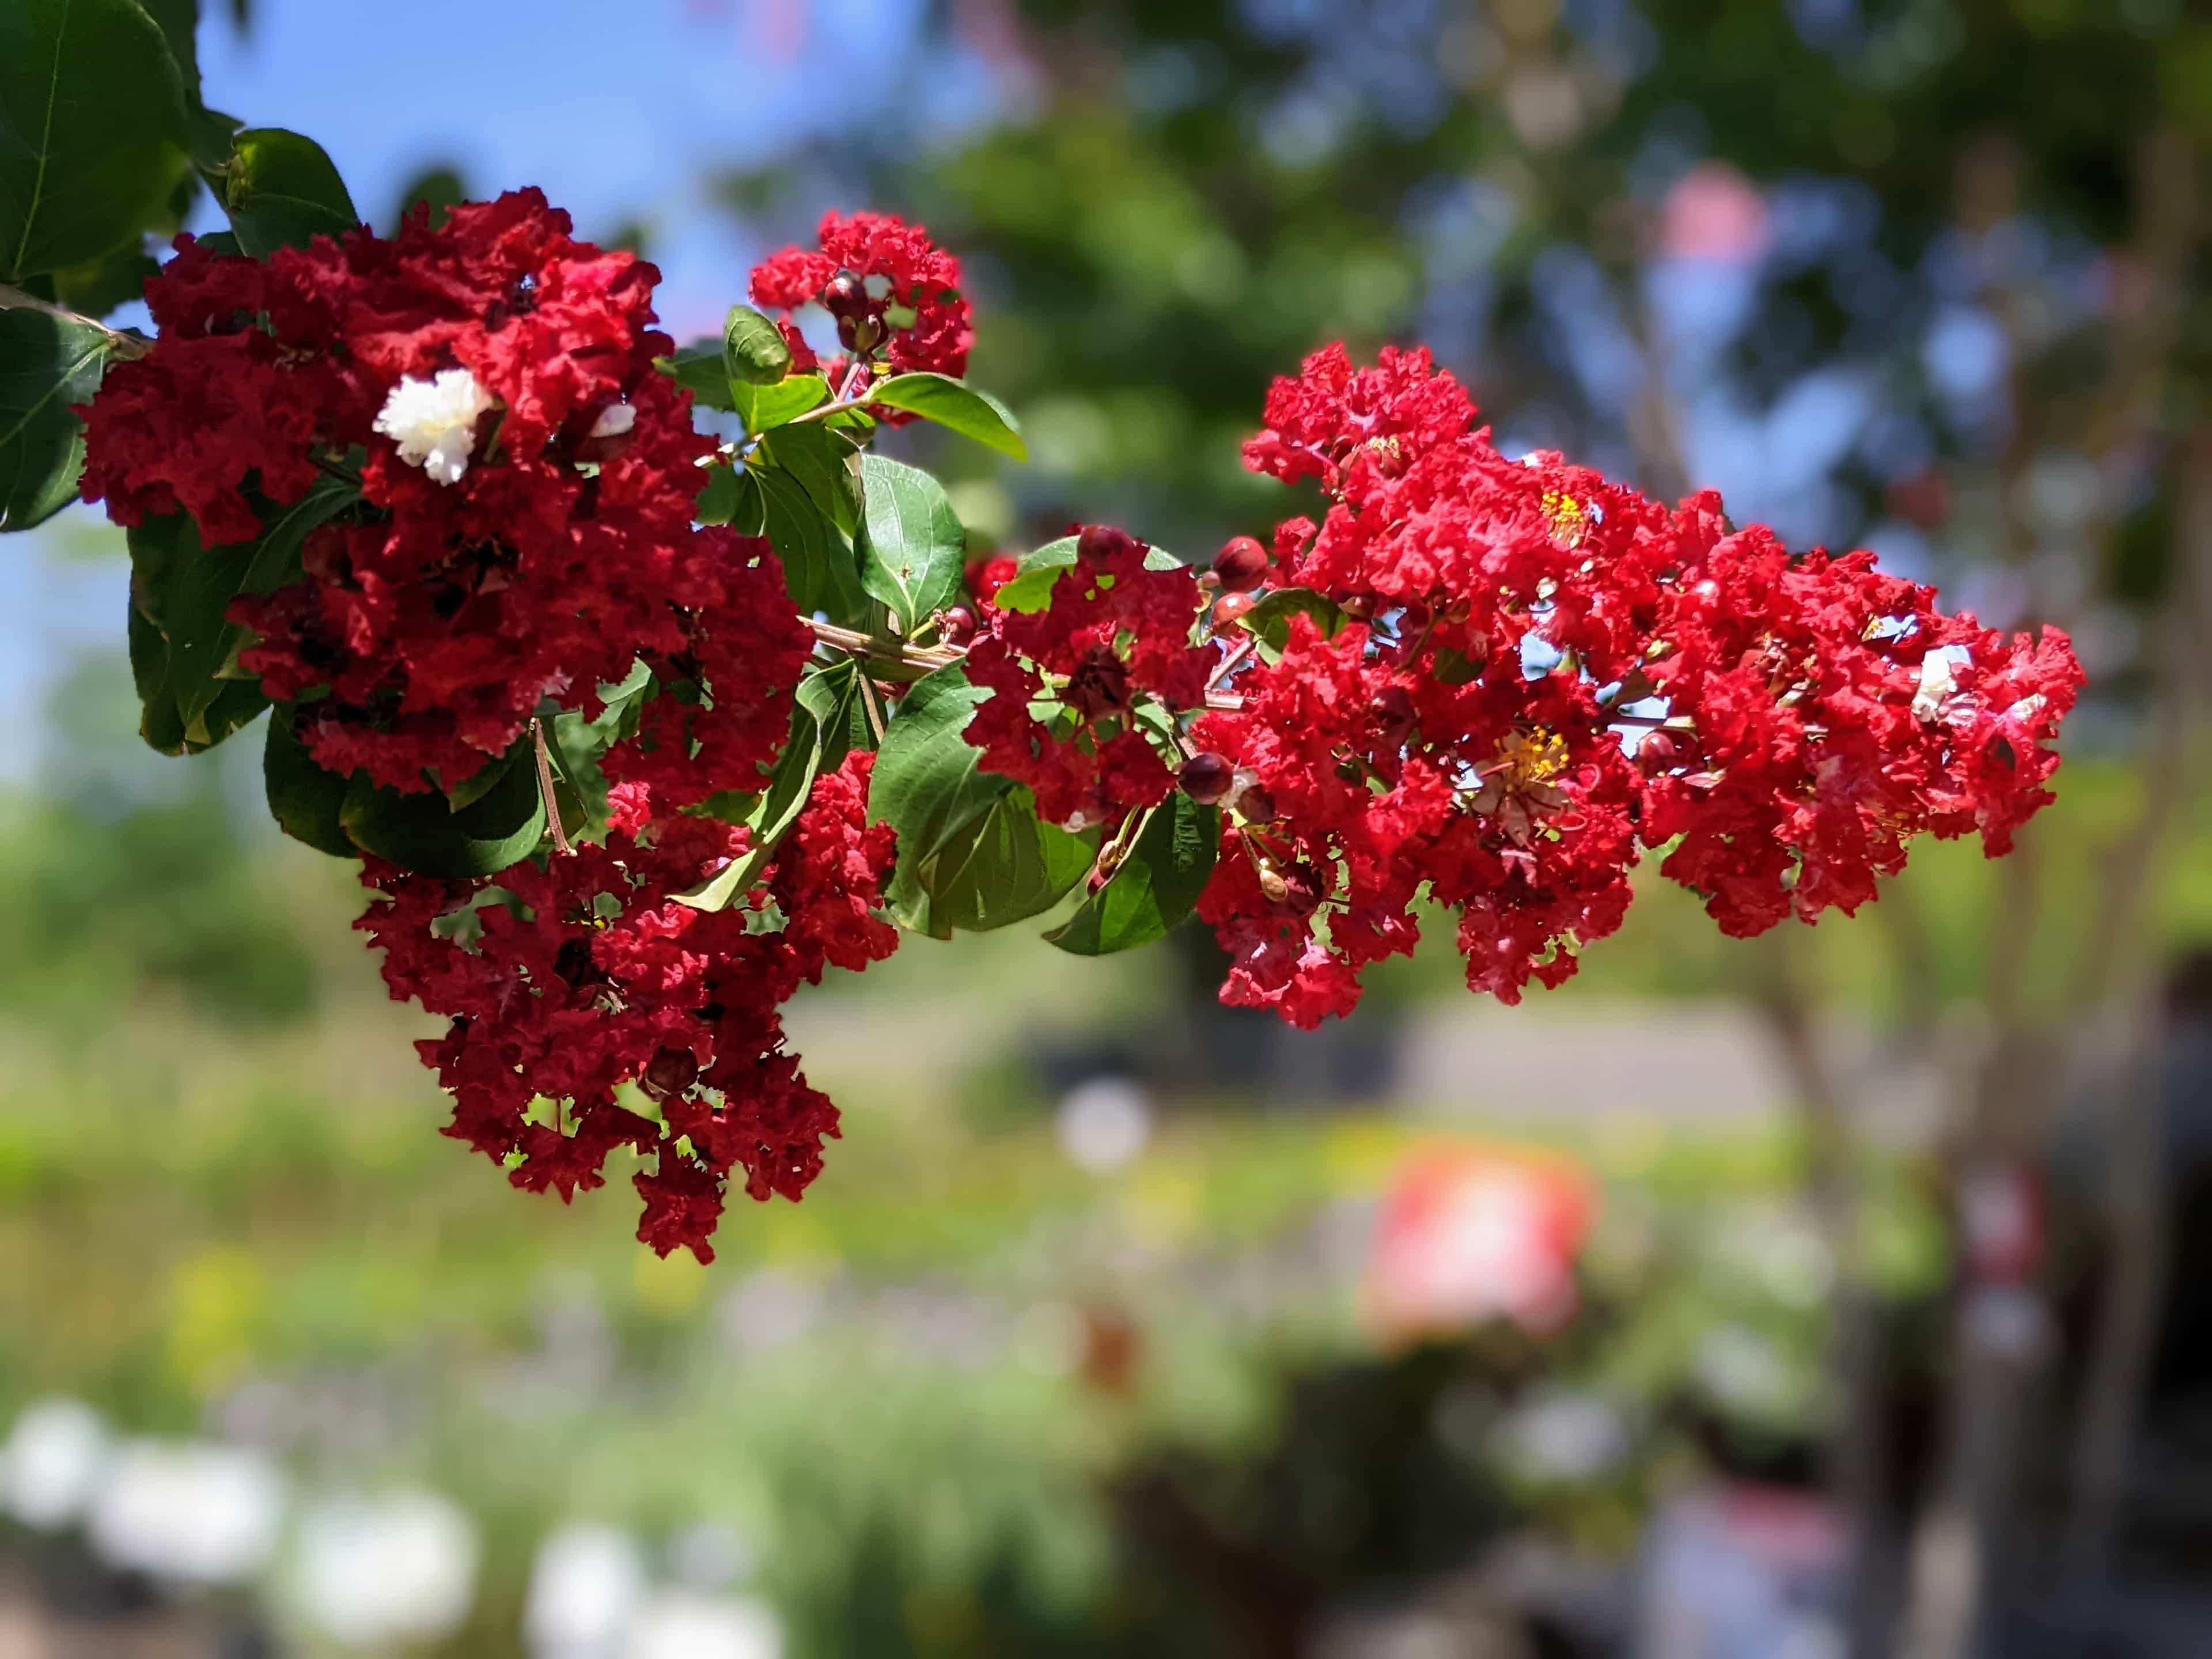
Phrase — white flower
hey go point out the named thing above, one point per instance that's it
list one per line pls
(1938, 698)
(615, 420)
(433, 422)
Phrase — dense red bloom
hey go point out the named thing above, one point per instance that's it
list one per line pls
(1113, 636)
(550, 546)
(895, 294)
(586, 974)
(1525, 622)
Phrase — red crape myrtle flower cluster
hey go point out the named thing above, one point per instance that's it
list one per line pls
(1114, 635)
(1544, 673)
(893, 295)
(523, 532)
(530, 479)
(588, 975)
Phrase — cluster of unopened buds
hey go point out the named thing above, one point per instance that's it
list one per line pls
(1480, 684)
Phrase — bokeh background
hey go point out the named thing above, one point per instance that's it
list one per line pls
(1835, 1293)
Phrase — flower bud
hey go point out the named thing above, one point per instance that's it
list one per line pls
(1657, 751)
(957, 626)
(1251, 799)
(1207, 778)
(845, 297)
(1242, 564)
(670, 1072)
(1229, 609)
(1103, 541)
(1392, 710)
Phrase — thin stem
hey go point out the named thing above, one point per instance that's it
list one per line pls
(823, 412)
(1223, 669)
(868, 701)
(887, 653)
(545, 790)
(122, 345)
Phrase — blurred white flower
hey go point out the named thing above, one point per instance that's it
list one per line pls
(682, 1626)
(585, 1586)
(433, 422)
(1105, 1123)
(1562, 1436)
(52, 1463)
(191, 1514)
(375, 1573)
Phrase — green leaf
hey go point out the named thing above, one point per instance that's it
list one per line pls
(1056, 556)
(912, 545)
(697, 368)
(754, 351)
(724, 498)
(576, 747)
(275, 563)
(822, 462)
(971, 851)
(821, 727)
(954, 404)
(181, 589)
(1269, 620)
(281, 190)
(303, 798)
(817, 564)
(441, 189)
(47, 363)
(764, 407)
(99, 286)
(1030, 591)
(93, 130)
(424, 833)
(1156, 885)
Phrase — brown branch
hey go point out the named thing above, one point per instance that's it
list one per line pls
(120, 344)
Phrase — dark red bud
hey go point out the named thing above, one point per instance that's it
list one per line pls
(1242, 564)
(670, 1071)
(1392, 710)
(1256, 804)
(845, 297)
(958, 626)
(1658, 752)
(1228, 609)
(1209, 581)
(1207, 778)
(1103, 541)
(1098, 878)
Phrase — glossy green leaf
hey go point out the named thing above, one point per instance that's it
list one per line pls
(303, 798)
(93, 130)
(822, 464)
(697, 368)
(724, 497)
(576, 746)
(821, 730)
(754, 351)
(956, 405)
(423, 832)
(912, 547)
(764, 407)
(972, 853)
(818, 567)
(1156, 886)
(1269, 620)
(47, 363)
(281, 190)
